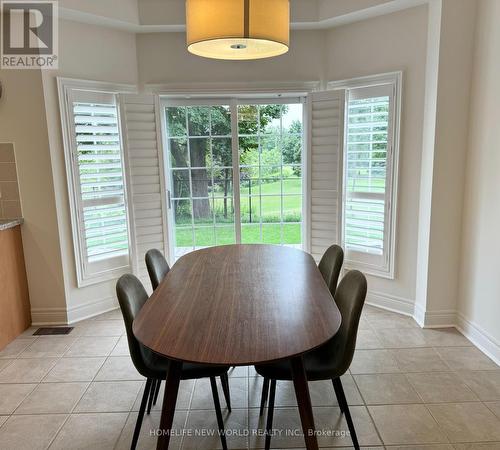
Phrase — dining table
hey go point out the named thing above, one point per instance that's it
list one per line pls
(239, 305)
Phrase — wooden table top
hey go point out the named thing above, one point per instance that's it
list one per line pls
(239, 305)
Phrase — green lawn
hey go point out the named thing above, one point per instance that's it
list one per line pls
(206, 235)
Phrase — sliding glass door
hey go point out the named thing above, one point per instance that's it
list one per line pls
(208, 142)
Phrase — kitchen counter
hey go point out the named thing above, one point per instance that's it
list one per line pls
(5, 224)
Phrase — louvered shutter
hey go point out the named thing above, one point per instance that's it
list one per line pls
(325, 153)
(144, 168)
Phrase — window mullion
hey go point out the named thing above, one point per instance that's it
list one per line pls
(236, 170)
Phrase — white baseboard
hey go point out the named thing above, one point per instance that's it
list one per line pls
(480, 338)
(63, 316)
(48, 316)
(445, 318)
(390, 302)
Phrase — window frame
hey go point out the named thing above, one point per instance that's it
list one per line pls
(233, 100)
(379, 266)
(89, 273)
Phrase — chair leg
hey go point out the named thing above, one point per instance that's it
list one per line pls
(140, 417)
(263, 397)
(224, 379)
(345, 406)
(157, 391)
(151, 395)
(218, 413)
(270, 414)
(338, 394)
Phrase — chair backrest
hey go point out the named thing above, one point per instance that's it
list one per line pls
(350, 298)
(132, 296)
(157, 267)
(330, 266)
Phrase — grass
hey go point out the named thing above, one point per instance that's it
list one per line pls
(272, 232)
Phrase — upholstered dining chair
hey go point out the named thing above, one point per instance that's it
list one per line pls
(331, 360)
(330, 266)
(158, 269)
(132, 296)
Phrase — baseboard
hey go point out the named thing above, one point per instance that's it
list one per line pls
(63, 316)
(48, 316)
(390, 303)
(91, 309)
(480, 338)
(438, 319)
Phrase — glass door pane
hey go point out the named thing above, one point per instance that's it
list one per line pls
(199, 146)
(270, 157)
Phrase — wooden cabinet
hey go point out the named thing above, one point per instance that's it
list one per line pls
(15, 315)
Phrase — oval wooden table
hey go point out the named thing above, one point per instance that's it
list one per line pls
(239, 305)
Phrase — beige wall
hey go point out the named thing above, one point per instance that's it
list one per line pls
(163, 58)
(391, 43)
(479, 293)
(91, 53)
(22, 121)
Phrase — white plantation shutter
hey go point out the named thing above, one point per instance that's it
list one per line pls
(144, 166)
(325, 153)
(94, 160)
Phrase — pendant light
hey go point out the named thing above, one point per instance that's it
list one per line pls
(238, 29)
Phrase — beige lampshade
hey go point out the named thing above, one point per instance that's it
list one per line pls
(238, 29)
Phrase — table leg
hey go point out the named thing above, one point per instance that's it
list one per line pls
(169, 401)
(304, 403)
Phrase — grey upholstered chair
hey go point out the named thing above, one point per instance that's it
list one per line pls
(332, 359)
(330, 266)
(158, 269)
(132, 297)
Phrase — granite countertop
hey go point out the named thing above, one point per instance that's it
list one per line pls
(5, 224)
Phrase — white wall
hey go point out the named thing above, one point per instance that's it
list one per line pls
(479, 292)
(92, 53)
(384, 44)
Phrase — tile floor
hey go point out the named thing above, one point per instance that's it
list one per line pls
(408, 388)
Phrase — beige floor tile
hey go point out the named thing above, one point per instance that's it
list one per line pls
(4, 363)
(183, 396)
(109, 396)
(367, 339)
(478, 446)
(115, 314)
(419, 360)
(241, 371)
(92, 346)
(445, 337)
(466, 358)
(74, 369)
(118, 368)
(3, 419)
(150, 425)
(403, 338)
(421, 447)
(391, 321)
(436, 387)
(102, 328)
(51, 398)
(386, 389)
(373, 361)
(495, 407)
(202, 396)
(11, 396)
(30, 432)
(485, 384)
(406, 424)
(90, 431)
(121, 348)
(15, 348)
(48, 346)
(205, 426)
(467, 422)
(27, 370)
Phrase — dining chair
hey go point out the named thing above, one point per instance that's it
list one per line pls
(331, 360)
(330, 266)
(132, 296)
(158, 268)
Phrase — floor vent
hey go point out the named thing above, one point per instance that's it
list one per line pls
(52, 331)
